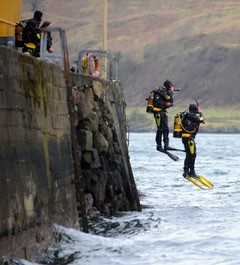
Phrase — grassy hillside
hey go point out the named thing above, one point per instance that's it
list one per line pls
(135, 24)
(216, 120)
(196, 44)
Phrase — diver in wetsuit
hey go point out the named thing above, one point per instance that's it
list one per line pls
(163, 99)
(190, 125)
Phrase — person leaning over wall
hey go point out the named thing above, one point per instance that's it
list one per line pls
(32, 35)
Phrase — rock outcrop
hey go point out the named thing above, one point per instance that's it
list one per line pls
(102, 137)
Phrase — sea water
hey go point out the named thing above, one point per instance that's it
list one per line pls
(179, 223)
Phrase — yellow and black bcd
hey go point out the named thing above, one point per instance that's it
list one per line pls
(150, 98)
(177, 127)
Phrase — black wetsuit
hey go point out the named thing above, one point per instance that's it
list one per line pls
(32, 34)
(190, 126)
(161, 96)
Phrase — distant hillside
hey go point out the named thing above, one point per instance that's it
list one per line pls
(196, 44)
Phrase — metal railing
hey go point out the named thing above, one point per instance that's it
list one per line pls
(108, 64)
(57, 56)
(9, 23)
(7, 40)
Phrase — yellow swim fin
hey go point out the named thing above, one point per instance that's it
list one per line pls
(195, 182)
(199, 181)
(206, 182)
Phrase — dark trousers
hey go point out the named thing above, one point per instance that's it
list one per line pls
(191, 153)
(161, 120)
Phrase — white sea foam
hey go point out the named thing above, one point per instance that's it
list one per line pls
(180, 224)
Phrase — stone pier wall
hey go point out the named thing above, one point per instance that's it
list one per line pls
(101, 128)
(37, 187)
(36, 166)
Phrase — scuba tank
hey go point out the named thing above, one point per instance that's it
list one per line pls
(149, 108)
(177, 127)
(19, 35)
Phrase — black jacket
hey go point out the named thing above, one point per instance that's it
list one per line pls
(191, 123)
(32, 32)
(161, 96)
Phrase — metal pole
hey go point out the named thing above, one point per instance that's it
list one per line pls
(105, 25)
(75, 149)
(104, 38)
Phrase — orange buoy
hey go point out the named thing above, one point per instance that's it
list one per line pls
(96, 67)
(93, 64)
